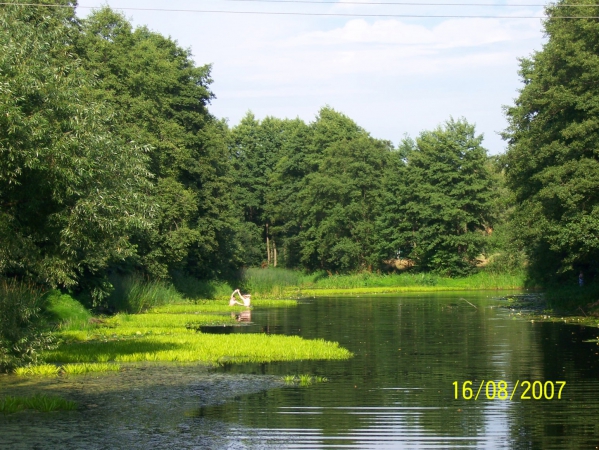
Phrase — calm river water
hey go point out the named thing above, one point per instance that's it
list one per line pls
(411, 352)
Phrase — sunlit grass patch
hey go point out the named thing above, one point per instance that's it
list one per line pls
(166, 320)
(43, 370)
(203, 348)
(136, 331)
(44, 403)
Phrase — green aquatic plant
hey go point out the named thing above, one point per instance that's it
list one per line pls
(51, 370)
(303, 380)
(38, 402)
(135, 321)
(200, 347)
(43, 370)
(288, 379)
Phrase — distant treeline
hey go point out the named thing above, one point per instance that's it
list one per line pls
(111, 163)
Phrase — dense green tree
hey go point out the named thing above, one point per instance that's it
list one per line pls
(314, 187)
(286, 181)
(71, 190)
(162, 98)
(335, 198)
(256, 148)
(442, 204)
(553, 157)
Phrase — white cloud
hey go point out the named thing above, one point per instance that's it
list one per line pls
(391, 75)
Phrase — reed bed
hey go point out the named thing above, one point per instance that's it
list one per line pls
(134, 294)
(271, 282)
(41, 402)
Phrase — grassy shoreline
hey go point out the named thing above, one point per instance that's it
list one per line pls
(168, 333)
(324, 292)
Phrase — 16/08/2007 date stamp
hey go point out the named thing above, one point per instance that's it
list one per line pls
(500, 390)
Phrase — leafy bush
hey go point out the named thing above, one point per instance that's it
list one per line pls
(23, 332)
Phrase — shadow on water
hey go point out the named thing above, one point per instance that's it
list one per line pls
(397, 392)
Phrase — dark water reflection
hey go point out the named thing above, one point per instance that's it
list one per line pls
(396, 392)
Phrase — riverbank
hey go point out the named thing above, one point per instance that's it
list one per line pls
(172, 333)
(273, 282)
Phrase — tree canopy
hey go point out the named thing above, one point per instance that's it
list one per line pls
(112, 164)
(71, 190)
(552, 163)
(440, 203)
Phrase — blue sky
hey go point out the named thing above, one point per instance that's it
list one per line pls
(393, 76)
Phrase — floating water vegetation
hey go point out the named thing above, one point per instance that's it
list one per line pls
(44, 403)
(303, 380)
(43, 370)
(51, 370)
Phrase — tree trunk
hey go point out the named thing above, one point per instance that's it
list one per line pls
(267, 246)
(274, 252)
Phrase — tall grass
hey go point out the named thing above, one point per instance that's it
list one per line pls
(67, 312)
(133, 294)
(192, 288)
(43, 370)
(270, 282)
(414, 281)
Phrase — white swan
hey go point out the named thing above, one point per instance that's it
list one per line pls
(245, 298)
